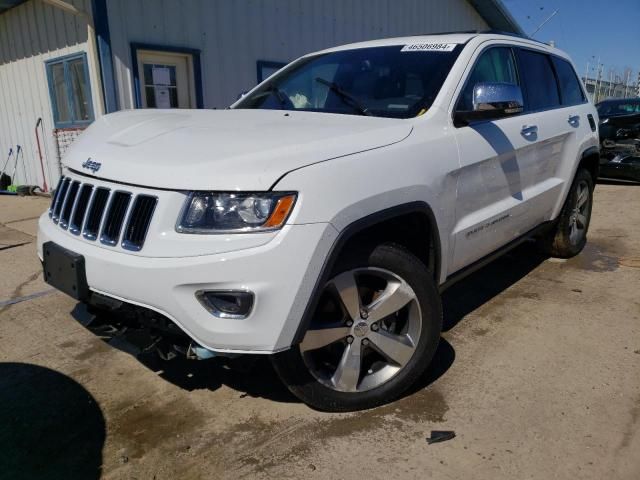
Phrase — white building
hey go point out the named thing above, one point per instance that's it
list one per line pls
(70, 61)
(600, 89)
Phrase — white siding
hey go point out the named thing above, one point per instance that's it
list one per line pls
(233, 34)
(30, 34)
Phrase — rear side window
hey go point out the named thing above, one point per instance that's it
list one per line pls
(494, 65)
(540, 87)
(570, 91)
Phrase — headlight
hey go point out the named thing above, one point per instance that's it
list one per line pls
(213, 212)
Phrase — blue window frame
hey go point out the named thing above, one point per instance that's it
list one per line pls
(267, 68)
(70, 90)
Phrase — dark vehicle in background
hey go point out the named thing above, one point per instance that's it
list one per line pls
(620, 138)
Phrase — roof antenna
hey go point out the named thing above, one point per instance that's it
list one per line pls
(544, 23)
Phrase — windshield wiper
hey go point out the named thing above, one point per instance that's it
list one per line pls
(345, 96)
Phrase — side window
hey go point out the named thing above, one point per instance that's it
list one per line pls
(494, 65)
(70, 92)
(540, 86)
(570, 90)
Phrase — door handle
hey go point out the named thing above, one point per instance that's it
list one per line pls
(528, 130)
(574, 119)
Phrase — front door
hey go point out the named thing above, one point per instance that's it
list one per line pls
(166, 79)
(497, 162)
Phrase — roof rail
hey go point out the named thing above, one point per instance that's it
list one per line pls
(495, 32)
(512, 34)
(451, 32)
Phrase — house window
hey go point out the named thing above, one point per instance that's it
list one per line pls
(266, 69)
(70, 90)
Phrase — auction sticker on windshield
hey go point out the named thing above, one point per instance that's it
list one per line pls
(428, 47)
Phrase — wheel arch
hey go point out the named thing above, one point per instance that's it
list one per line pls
(369, 228)
(590, 160)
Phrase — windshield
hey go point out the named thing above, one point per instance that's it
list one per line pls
(378, 81)
(618, 107)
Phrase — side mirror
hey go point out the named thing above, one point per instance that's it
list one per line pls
(492, 101)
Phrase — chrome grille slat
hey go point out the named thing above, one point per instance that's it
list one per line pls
(86, 214)
(76, 221)
(63, 204)
(96, 213)
(75, 204)
(105, 210)
(138, 224)
(116, 217)
(56, 195)
(60, 197)
(69, 202)
(127, 219)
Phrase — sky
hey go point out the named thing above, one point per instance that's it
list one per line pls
(609, 29)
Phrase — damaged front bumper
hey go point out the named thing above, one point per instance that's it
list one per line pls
(620, 147)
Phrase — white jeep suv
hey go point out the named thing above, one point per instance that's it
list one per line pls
(320, 216)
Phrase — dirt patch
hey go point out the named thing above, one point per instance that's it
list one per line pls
(632, 426)
(267, 444)
(96, 347)
(12, 238)
(148, 425)
(18, 291)
(596, 258)
(529, 295)
(427, 405)
(262, 445)
(480, 332)
(633, 262)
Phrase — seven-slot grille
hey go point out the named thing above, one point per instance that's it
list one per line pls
(102, 213)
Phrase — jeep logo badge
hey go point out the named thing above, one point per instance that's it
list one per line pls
(91, 165)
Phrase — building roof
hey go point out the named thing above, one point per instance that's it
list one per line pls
(7, 4)
(496, 15)
(492, 11)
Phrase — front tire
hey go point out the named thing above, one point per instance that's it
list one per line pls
(569, 235)
(374, 332)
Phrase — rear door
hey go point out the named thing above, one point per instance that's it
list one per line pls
(573, 115)
(557, 127)
(499, 159)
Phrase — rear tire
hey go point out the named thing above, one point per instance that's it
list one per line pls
(366, 345)
(569, 235)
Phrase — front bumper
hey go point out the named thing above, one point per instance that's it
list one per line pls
(281, 274)
(625, 168)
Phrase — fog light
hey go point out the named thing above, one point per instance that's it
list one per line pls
(226, 303)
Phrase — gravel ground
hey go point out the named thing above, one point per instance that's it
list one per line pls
(537, 373)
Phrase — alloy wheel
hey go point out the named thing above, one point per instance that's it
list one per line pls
(365, 330)
(578, 220)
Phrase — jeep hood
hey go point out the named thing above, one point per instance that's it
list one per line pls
(221, 149)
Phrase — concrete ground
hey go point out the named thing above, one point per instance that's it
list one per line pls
(537, 373)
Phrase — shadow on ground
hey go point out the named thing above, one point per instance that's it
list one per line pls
(50, 426)
(480, 287)
(254, 376)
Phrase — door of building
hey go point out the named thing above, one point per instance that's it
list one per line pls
(166, 79)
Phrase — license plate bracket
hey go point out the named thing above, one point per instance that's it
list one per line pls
(65, 270)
